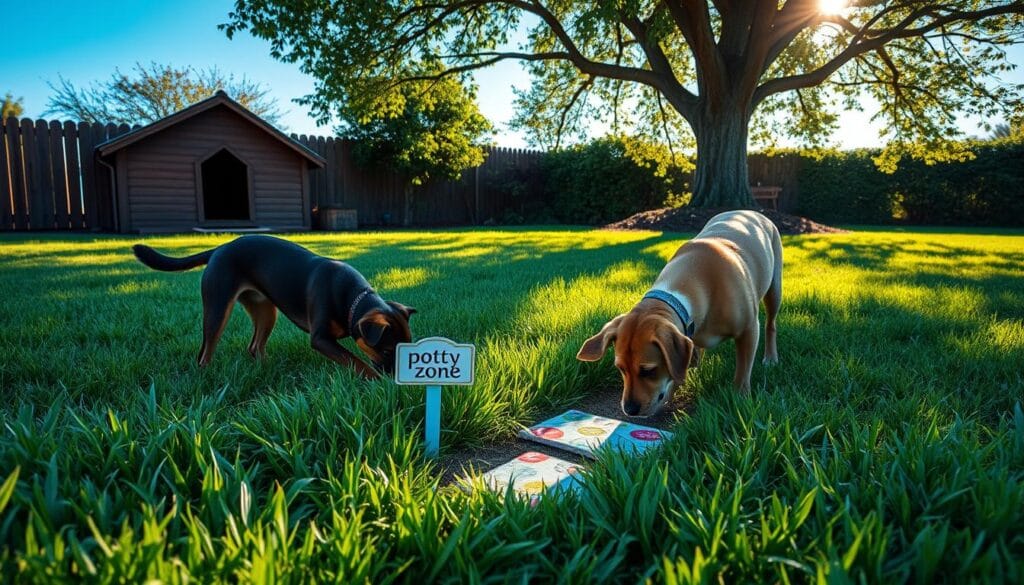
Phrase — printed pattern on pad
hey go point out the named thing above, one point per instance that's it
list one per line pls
(584, 434)
(532, 472)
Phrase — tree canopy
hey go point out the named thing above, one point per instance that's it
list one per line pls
(667, 66)
(425, 130)
(148, 93)
(11, 106)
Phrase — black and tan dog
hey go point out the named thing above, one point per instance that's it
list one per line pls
(326, 298)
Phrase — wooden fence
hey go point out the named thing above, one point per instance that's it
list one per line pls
(51, 179)
(780, 170)
(379, 195)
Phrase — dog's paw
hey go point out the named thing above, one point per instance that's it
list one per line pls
(770, 361)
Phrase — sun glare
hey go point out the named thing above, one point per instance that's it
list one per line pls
(832, 6)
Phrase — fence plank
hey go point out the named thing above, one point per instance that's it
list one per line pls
(6, 188)
(335, 167)
(28, 155)
(86, 145)
(320, 148)
(58, 170)
(329, 178)
(314, 181)
(18, 179)
(33, 175)
(44, 193)
(105, 206)
(75, 216)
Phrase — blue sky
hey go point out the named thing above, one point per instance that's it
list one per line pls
(86, 40)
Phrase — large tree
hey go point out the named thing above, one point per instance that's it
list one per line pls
(712, 63)
(150, 92)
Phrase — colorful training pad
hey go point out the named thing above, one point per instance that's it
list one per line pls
(531, 472)
(584, 433)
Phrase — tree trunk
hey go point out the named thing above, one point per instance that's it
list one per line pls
(720, 179)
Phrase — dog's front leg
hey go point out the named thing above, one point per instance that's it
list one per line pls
(338, 354)
(746, 347)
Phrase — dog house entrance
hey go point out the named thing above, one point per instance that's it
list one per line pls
(225, 188)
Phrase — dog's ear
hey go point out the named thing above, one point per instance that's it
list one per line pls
(676, 348)
(372, 326)
(402, 309)
(595, 347)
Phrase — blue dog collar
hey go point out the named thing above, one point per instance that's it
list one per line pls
(677, 306)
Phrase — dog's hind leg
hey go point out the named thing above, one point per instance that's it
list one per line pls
(218, 301)
(264, 315)
(772, 302)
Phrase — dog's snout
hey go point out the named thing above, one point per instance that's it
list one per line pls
(631, 407)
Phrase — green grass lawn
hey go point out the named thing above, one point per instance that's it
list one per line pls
(887, 446)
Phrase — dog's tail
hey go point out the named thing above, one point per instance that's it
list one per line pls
(158, 261)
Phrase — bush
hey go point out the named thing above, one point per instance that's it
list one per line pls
(611, 178)
(844, 187)
(988, 190)
(847, 187)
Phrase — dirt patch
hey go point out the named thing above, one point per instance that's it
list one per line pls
(685, 219)
(602, 402)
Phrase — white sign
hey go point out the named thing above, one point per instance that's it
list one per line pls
(435, 361)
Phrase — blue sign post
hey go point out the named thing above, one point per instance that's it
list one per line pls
(433, 362)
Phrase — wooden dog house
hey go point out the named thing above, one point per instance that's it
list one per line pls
(212, 165)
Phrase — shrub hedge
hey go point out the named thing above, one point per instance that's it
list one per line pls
(613, 177)
(846, 187)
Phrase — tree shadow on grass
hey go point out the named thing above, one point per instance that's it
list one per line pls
(894, 361)
(876, 255)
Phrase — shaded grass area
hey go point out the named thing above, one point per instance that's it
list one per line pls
(888, 445)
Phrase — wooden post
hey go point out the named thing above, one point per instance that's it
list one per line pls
(432, 422)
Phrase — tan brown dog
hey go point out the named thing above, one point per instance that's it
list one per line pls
(708, 291)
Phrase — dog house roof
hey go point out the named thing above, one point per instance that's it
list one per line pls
(218, 99)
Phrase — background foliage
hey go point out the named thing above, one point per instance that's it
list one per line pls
(11, 106)
(151, 92)
(426, 130)
(985, 189)
(611, 178)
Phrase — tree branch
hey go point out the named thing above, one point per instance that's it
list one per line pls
(693, 21)
(858, 47)
(575, 56)
(568, 107)
(682, 100)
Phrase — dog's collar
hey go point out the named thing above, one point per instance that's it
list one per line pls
(672, 301)
(352, 310)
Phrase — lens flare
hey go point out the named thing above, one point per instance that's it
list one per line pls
(832, 6)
